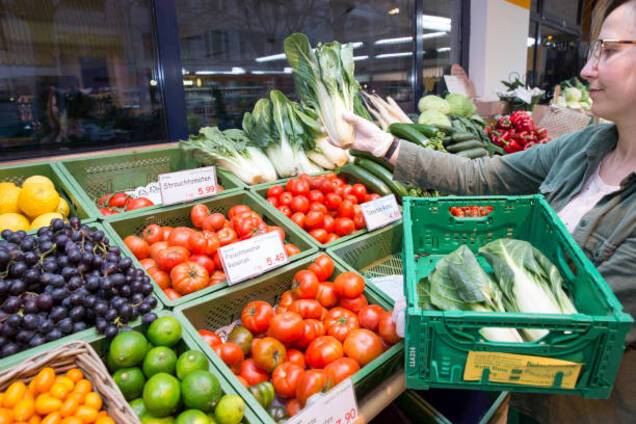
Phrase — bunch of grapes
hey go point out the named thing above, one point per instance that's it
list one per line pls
(66, 279)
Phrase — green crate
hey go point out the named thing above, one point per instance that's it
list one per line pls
(377, 254)
(122, 226)
(438, 341)
(17, 174)
(100, 343)
(82, 335)
(224, 307)
(95, 176)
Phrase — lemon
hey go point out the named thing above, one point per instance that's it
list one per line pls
(38, 179)
(44, 220)
(9, 194)
(63, 207)
(38, 198)
(14, 222)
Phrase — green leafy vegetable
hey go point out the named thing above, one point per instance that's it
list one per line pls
(434, 118)
(461, 105)
(432, 102)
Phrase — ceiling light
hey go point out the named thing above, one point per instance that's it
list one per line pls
(357, 44)
(436, 23)
(443, 49)
(270, 58)
(388, 55)
(206, 72)
(394, 11)
(188, 82)
(153, 83)
(397, 40)
(434, 35)
(355, 58)
(287, 70)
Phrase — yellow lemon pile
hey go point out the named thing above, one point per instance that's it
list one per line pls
(32, 206)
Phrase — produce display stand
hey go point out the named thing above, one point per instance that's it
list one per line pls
(94, 176)
(438, 342)
(179, 215)
(223, 307)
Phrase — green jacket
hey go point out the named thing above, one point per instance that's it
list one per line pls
(558, 170)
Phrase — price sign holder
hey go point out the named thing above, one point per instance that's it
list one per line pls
(188, 185)
(337, 406)
(252, 257)
(381, 212)
(454, 85)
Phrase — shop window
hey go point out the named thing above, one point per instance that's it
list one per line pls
(565, 11)
(77, 74)
(559, 57)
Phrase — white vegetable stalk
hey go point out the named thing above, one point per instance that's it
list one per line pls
(334, 154)
(320, 159)
(332, 110)
(265, 165)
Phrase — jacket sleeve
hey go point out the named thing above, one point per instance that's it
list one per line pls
(515, 174)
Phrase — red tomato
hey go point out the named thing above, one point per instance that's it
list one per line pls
(217, 277)
(137, 246)
(300, 203)
(205, 261)
(285, 210)
(327, 295)
(252, 373)
(299, 186)
(274, 191)
(147, 263)
(369, 317)
(214, 222)
(161, 278)
(171, 256)
(279, 230)
(273, 201)
(358, 218)
(217, 260)
(285, 199)
(331, 237)
(355, 304)
(189, 277)
(344, 226)
(341, 369)
(231, 354)
(312, 329)
(314, 219)
(297, 357)
(292, 407)
(305, 284)
(156, 248)
(152, 234)
(316, 196)
(318, 207)
(312, 382)
(102, 202)
(299, 219)
(107, 211)
(180, 236)
(349, 284)
(363, 346)
(118, 200)
(171, 294)
(340, 322)
(138, 203)
(327, 186)
(268, 353)
(319, 234)
(323, 266)
(345, 210)
(307, 308)
(286, 299)
(203, 243)
(226, 236)
(198, 213)
(323, 351)
(166, 231)
(256, 316)
(210, 337)
(328, 223)
(373, 196)
(237, 210)
(286, 327)
(360, 191)
(291, 249)
(242, 380)
(333, 201)
(386, 329)
(285, 379)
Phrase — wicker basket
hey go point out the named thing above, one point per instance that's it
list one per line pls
(76, 354)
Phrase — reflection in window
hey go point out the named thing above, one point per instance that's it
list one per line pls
(558, 57)
(77, 73)
(232, 52)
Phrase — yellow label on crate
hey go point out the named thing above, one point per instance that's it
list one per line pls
(521, 369)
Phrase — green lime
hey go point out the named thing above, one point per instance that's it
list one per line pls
(164, 331)
(149, 419)
(130, 381)
(229, 410)
(110, 363)
(192, 416)
(201, 390)
(128, 349)
(212, 418)
(159, 359)
(191, 360)
(162, 394)
(139, 407)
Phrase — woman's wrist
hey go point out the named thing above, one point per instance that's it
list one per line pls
(392, 159)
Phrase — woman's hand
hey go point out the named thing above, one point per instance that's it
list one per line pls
(368, 137)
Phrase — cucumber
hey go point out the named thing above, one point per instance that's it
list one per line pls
(464, 145)
(365, 177)
(473, 153)
(365, 155)
(408, 133)
(382, 173)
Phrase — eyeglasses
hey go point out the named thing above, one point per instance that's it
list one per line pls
(597, 46)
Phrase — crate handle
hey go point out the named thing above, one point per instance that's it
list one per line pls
(458, 213)
(566, 264)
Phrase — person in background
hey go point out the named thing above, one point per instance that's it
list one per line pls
(588, 177)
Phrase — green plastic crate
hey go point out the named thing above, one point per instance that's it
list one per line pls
(17, 174)
(224, 307)
(134, 223)
(438, 342)
(95, 176)
(377, 254)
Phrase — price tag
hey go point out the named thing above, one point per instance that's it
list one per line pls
(185, 186)
(454, 85)
(381, 212)
(252, 257)
(391, 285)
(151, 191)
(337, 406)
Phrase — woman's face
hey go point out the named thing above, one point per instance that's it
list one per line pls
(612, 75)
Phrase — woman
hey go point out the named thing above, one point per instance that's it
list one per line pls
(588, 177)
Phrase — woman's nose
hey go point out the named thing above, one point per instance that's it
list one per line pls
(590, 70)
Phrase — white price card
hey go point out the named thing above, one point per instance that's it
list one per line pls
(381, 212)
(151, 191)
(337, 406)
(188, 185)
(454, 85)
(391, 285)
(252, 257)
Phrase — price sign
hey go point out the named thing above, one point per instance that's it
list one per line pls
(454, 85)
(185, 186)
(252, 257)
(337, 406)
(381, 212)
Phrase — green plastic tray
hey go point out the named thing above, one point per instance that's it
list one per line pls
(17, 174)
(438, 342)
(95, 176)
(122, 226)
(377, 254)
(224, 307)
(82, 335)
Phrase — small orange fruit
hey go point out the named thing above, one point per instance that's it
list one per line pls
(52, 418)
(46, 404)
(75, 374)
(14, 394)
(93, 400)
(84, 386)
(59, 390)
(86, 414)
(69, 407)
(24, 409)
(44, 380)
